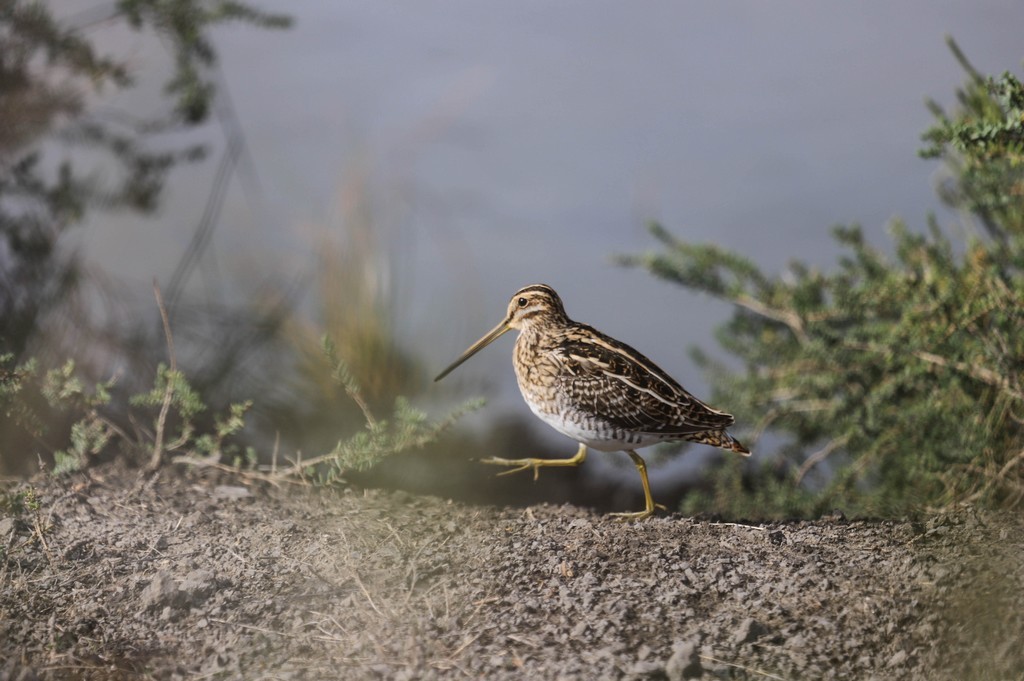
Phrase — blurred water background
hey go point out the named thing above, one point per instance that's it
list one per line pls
(437, 156)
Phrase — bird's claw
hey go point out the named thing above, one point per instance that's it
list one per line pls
(520, 465)
(626, 517)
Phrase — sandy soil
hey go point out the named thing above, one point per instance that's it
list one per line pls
(185, 575)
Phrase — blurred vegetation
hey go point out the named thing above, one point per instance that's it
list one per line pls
(345, 364)
(407, 428)
(164, 422)
(353, 302)
(62, 156)
(172, 402)
(48, 71)
(895, 381)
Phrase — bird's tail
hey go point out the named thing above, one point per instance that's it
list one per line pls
(720, 438)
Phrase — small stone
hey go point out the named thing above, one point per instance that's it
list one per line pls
(231, 492)
(749, 631)
(161, 592)
(897, 659)
(684, 662)
(797, 643)
(198, 585)
(7, 527)
(646, 669)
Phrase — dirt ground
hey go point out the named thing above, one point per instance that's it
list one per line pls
(185, 575)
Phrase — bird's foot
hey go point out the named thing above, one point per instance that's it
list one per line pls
(637, 515)
(524, 464)
(520, 465)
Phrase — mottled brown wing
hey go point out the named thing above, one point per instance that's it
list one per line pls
(614, 382)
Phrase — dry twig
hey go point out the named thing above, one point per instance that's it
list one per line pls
(158, 444)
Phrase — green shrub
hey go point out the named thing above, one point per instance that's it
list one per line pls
(895, 381)
(406, 428)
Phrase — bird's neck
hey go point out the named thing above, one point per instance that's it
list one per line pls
(542, 332)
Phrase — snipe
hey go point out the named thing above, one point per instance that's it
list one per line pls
(598, 391)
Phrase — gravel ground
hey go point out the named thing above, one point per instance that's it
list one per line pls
(187, 575)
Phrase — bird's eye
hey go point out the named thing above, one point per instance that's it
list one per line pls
(522, 302)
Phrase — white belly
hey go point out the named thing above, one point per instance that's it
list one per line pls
(594, 434)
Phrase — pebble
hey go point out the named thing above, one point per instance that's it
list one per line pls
(162, 591)
(231, 492)
(684, 662)
(898, 658)
(749, 631)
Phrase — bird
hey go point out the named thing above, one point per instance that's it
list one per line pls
(596, 390)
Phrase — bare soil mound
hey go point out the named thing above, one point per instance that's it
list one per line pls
(122, 576)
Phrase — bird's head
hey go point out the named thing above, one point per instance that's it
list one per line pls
(534, 305)
(531, 307)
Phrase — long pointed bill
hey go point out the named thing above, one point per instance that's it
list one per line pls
(491, 336)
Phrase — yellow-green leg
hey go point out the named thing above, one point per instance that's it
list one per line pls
(649, 504)
(536, 464)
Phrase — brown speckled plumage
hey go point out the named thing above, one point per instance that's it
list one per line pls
(597, 390)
